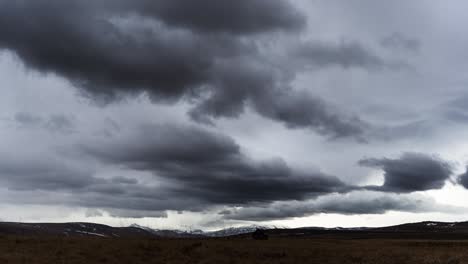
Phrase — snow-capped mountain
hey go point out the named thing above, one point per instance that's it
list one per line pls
(231, 231)
(449, 230)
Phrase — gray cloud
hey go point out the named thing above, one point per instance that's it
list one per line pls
(332, 72)
(210, 167)
(398, 41)
(127, 54)
(135, 213)
(412, 172)
(192, 169)
(299, 110)
(48, 180)
(259, 86)
(463, 179)
(348, 204)
(233, 17)
(344, 54)
(210, 60)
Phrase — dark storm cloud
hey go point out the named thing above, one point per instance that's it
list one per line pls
(104, 57)
(197, 164)
(214, 16)
(205, 52)
(300, 110)
(412, 172)
(98, 47)
(349, 204)
(197, 170)
(191, 169)
(260, 86)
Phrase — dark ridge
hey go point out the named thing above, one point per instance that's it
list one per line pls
(421, 230)
(71, 229)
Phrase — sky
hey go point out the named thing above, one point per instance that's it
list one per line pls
(211, 114)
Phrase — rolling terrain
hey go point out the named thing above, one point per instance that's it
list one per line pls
(76, 243)
(422, 230)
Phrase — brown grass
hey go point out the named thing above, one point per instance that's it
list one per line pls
(281, 250)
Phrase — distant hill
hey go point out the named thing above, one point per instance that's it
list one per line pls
(422, 230)
(71, 229)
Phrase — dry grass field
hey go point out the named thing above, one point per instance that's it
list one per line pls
(239, 250)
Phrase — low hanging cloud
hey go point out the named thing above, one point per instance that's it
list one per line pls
(39, 179)
(160, 168)
(211, 168)
(411, 172)
(111, 49)
(354, 203)
(189, 168)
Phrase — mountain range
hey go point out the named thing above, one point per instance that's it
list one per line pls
(428, 229)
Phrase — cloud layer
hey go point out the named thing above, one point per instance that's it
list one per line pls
(349, 204)
(216, 61)
(262, 109)
(211, 168)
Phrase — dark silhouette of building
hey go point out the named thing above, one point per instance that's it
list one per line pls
(259, 234)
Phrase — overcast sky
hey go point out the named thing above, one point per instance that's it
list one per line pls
(209, 114)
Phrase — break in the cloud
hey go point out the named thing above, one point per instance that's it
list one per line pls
(412, 172)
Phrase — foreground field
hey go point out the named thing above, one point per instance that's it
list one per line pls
(278, 250)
